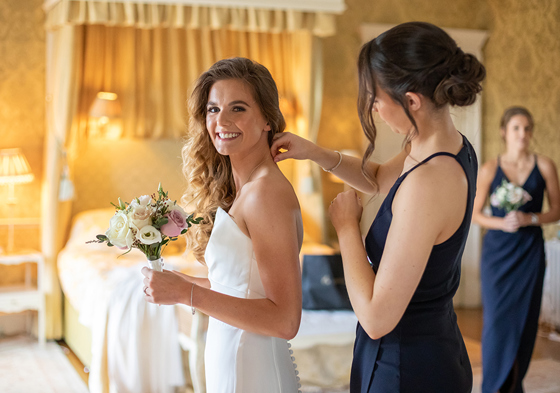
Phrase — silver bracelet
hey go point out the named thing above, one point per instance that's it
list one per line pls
(192, 290)
(534, 219)
(337, 165)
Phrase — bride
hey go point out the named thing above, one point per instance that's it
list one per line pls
(251, 234)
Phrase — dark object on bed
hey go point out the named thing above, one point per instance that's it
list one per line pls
(323, 283)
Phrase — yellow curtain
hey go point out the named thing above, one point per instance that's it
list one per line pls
(64, 67)
(150, 55)
(151, 70)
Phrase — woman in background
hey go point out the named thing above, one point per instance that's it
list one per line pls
(401, 284)
(251, 234)
(512, 262)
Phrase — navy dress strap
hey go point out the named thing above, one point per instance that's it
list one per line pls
(425, 160)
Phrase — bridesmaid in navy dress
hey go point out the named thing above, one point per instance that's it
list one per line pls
(401, 283)
(512, 262)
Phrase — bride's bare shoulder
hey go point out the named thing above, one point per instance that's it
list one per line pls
(272, 190)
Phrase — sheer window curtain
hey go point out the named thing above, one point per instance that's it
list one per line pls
(149, 54)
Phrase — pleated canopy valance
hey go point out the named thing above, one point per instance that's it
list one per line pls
(315, 16)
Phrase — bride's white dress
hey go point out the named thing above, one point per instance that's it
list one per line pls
(237, 360)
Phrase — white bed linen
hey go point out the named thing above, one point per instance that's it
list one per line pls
(139, 339)
(325, 327)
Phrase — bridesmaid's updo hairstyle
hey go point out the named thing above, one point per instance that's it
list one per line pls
(414, 57)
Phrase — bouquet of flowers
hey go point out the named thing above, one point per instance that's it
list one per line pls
(148, 223)
(509, 197)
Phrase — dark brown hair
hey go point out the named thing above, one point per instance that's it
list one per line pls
(415, 57)
(209, 175)
(514, 111)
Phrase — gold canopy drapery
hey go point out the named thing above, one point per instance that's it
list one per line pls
(149, 15)
(149, 54)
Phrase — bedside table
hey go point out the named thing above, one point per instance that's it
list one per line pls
(25, 296)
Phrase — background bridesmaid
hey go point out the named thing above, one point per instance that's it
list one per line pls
(513, 261)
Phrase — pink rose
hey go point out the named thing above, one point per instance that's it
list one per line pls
(177, 222)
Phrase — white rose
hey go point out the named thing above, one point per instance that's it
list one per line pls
(143, 200)
(119, 232)
(515, 195)
(140, 215)
(501, 195)
(148, 235)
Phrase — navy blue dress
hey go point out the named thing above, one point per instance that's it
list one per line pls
(512, 273)
(425, 352)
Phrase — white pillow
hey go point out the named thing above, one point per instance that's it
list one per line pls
(88, 224)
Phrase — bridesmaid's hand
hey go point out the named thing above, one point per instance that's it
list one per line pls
(296, 147)
(345, 209)
(512, 221)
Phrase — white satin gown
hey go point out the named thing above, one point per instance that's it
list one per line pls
(238, 361)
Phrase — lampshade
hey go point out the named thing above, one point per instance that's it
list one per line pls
(105, 120)
(106, 104)
(14, 167)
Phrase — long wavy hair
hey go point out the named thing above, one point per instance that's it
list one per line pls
(208, 174)
(414, 57)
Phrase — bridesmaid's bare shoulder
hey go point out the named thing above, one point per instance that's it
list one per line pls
(546, 165)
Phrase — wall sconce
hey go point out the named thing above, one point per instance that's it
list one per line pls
(14, 169)
(105, 116)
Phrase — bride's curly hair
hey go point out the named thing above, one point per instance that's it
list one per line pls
(208, 174)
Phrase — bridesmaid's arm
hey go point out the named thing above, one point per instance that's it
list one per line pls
(348, 168)
(425, 212)
(550, 175)
(485, 177)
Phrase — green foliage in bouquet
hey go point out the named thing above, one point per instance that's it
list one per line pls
(148, 223)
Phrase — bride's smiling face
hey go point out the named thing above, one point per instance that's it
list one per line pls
(234, 120)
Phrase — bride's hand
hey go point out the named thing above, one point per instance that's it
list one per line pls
(166, 287)
(296, 147)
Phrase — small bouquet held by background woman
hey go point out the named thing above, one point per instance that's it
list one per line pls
(509, 197)
(148, 223)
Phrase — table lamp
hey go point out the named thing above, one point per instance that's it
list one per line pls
(14, 169)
